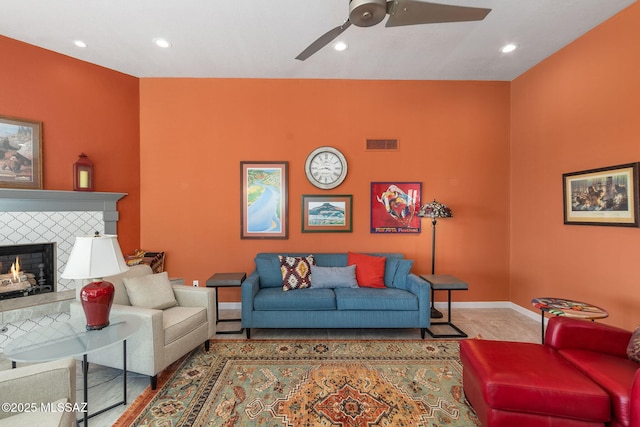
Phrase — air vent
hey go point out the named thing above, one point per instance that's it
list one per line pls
(382, 145)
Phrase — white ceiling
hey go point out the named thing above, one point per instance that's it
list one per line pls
(252, 38)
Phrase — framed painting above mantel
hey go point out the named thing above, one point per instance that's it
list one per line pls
(603, 196)
(20, 153)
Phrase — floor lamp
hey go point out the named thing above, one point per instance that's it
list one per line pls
(434, 210)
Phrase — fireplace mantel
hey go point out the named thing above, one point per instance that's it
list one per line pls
(74, 213)
(14, 200)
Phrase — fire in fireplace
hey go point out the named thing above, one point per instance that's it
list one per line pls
(27, 270)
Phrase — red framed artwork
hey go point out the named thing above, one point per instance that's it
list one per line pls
(394, 207)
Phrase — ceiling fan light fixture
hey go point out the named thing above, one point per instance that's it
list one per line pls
(366, 13)
(340, 46)
(163, 43)
(508, 48)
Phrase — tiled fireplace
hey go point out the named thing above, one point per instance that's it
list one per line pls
(27, 269)
(34, 217)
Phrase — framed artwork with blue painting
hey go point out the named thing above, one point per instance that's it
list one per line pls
(263, 203)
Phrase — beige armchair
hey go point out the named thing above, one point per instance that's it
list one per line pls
(46, 388)
(166, 334)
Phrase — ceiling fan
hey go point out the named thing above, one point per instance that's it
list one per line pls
(366, 13)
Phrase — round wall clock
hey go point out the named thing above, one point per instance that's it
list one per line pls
(326, 167)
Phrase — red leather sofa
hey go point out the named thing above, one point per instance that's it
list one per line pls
(600, 352)
(580, 377)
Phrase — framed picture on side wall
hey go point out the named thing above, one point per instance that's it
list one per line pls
(327, 214)
(263, 204)
(394, 206)
(20, 153)
(604, 196)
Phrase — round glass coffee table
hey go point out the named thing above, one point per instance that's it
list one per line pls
(61, 340)
(567, 308)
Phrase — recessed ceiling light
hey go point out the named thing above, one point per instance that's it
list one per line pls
(508, 48)
(340, 46)
(79, 43)
(162, 43)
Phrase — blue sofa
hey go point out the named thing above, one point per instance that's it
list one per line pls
(404, 303)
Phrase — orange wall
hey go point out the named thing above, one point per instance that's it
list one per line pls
(577, 110)
(83, 108)
(493, 151)
(454, 138)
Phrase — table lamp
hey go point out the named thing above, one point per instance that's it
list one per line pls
(95, 257)
(434, 210)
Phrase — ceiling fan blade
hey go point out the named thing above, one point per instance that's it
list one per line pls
(412, 12)
(323, 40)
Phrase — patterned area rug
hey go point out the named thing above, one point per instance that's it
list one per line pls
(310, 383)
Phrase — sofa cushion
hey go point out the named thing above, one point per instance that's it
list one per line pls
(333, 277)
(179, 321)
(268, 265)
(612, 373)
(633, 349)
(369, 269)
(297, 299)
(390, 268)
(528, 378)
(403, 270)
(269, 271)
(120, 295)
(331, 259)
(150, 291)
(296, 271)
(387, 299)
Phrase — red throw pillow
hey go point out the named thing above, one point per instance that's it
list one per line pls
(369, 269)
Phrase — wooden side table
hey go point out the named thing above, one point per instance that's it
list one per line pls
(226, 280)
(568, 308)
(446, 282)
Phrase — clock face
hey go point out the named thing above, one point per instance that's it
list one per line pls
(326, 167)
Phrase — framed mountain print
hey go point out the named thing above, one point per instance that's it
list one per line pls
(327, 214)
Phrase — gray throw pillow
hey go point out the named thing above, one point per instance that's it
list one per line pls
(333, 277)
(150, 291)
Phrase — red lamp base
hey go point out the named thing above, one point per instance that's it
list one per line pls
(96, 298)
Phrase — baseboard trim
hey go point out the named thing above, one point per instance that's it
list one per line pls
(439, 305)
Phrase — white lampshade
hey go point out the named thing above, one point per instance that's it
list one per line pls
(95, 257)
